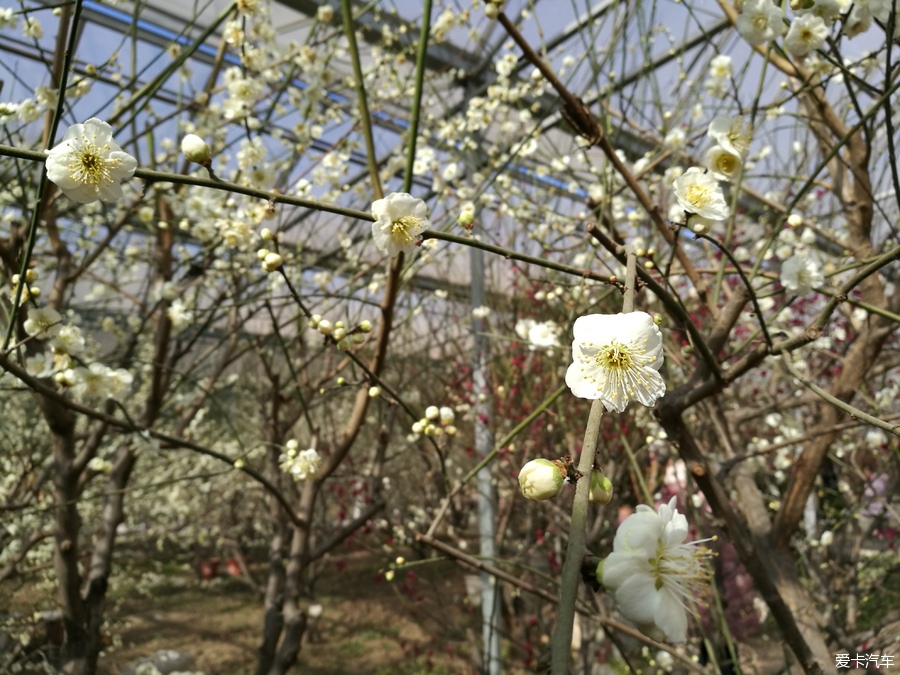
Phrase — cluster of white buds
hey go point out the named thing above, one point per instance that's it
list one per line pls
(339, 333)
(271, 261)
(28, 292)
(437, 421)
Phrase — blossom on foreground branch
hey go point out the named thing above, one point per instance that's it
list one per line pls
(399, 220)
(616, 358)
(654, 573)
(88, 165)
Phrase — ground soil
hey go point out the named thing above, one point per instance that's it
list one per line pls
(368, 624)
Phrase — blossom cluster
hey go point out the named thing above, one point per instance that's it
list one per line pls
(762, 21)
(300, 464)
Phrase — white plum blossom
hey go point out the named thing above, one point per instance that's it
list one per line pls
(720, 67)
(100, 465)
(40, 365)
(180, 315)
(98, 381)
(654, 573)
(616, 358)
(540, 335)
(800, 274)
(719, 78)
(858, 21)
(732, 133)
(542, 479)
(699, 193)
(31, 28)
(301, 465)
(722, 163)
(675, 139)
(69, 340)
(760, 21)
(399, 220)
(42, 322)
(88, 165)
(8, 18)
(243, 93)
(807, 34)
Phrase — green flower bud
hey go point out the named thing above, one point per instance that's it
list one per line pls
(601, 487)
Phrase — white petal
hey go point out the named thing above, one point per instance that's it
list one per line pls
(638, 598)
(671, 616)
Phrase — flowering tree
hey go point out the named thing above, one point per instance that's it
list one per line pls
(236, 273)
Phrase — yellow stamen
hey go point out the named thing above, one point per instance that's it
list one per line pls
(698, 195)
(87, 164)
(401, 229)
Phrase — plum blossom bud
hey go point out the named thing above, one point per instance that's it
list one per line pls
(374, 392)
(325, 327)
(447, 415)
(365, 326)
(466, 218)
(491, 11)
(601, 487)
(196, 150)
(325, 13)
(272, 262)
(339, 333)
(542, 479)
(266, 234)
(432, 412)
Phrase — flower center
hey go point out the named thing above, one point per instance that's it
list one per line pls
(87, 164)
(698, 195)
(402, 229)
(726, 163)
(760, 22)
(615, 357)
